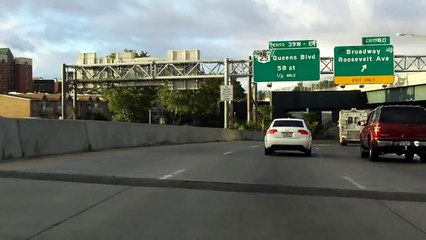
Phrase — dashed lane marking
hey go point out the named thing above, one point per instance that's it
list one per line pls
(354, 182)
(226, 153)
(172, 174)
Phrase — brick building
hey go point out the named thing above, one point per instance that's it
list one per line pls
(4, 74)
(15, 73)
(6, 70)
(47, 85)
(24, 75)
(57, 88)
(40, 105)
(44, 86)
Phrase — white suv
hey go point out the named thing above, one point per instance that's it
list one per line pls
(288, 134)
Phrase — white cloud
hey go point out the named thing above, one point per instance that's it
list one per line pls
(296, 14)
(54, 32)
(361, 12)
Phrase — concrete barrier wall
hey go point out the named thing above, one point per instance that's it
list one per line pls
(104, 135)
(41, 137)
(35, 137)
(10, 145)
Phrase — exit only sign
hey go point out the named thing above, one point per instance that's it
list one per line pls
(368, 64)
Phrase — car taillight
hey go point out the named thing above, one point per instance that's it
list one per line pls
(376, 131)
(272, 131)
(303, 132)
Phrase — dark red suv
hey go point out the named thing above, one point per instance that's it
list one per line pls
(394, 129)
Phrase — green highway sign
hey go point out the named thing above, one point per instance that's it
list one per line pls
(296, 64)
(364, 64)
(375, 40)
(292, 44)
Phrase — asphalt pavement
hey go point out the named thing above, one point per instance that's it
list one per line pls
(222, 190)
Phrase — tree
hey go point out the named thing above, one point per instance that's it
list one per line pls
(130, 104)
(313, 120)
(207, 110)
(138, 55)
(177, 102)
(238, 92)
(265, 117)
(300, 87)
(201, 105)
(326, 84)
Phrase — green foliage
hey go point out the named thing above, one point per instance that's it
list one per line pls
(252, 126)
(208, 104)
(247, 126)
(312, 119)
(138, 55)
(238, 92)
(130, 104)
(111, 55)
(209, 97)
(265, 116)
(177, 103)
(201, 105)
(326, 84)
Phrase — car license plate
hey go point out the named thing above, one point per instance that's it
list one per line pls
(404, 143)
(287, 134)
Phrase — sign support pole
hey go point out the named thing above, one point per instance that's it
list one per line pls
(255, 102)
(249, 106)
(64, 92)
(74, 102)
(225, 103)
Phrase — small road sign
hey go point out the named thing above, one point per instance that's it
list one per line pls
(292, 44)
(226, 93)
(375, 40)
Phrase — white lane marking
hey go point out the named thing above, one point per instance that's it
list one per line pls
(255, 146)
(354, 183)
(228, 153)
(172, 174)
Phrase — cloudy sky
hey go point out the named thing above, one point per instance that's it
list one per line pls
(53, 32)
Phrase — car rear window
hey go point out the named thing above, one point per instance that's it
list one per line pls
(288, 123)
(410, 115)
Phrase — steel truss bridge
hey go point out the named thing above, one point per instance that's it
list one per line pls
(181, 75)
(187, 74)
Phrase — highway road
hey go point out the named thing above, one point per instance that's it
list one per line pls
(222, 190)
